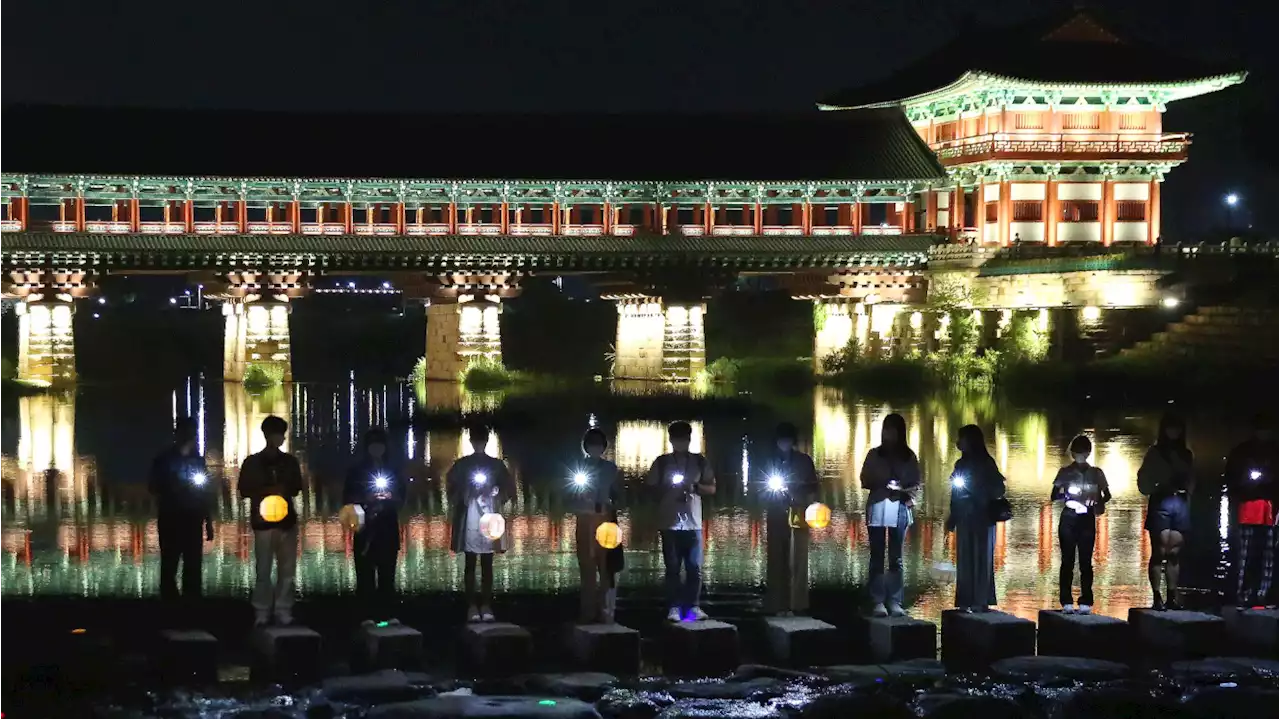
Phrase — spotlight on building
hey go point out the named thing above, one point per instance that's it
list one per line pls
(1169, 302)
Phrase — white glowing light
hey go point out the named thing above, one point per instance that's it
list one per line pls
(1169, 302)
(957, 482)
(1232, 199)
(580, 479)
(198, 479)
(1091, 313)
(1255, 475)
(1073, 490)
(380, 481)
(479, 478)
(677, 478)
(775, 483)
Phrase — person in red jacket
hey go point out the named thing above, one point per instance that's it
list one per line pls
(1251, 482)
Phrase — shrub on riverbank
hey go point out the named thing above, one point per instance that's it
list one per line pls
(260, 376)
(485, 373)
(761, 372)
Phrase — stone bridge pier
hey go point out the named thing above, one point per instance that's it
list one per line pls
(464, 321)
(45, 307)
(255, 311)
(871, 309)
(659, 339)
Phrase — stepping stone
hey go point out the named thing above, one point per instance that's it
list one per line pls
(454, 706)
(1252, 632)
(587, 686)
(188, 654)
(607, 647)
(699, 648)
(1177, 634)
(801, 641)
(1217, 669)
(495, 647)
(381, 687)
(1093, 636)
(971, 642)
(892, 639)
(393, 646)
(284, 652)
(1041, 668)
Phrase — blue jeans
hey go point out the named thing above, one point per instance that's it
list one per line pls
(683, 546)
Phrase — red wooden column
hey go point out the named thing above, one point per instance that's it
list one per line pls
(956, 215)
(606, 218)
(400, 218)
(1106, 211)
(758, 219)
(348, 217)
(555, 218)
(242, 216)
(504, 224)
(371, 211)
(708, 218)
(908, 214)
(1050, 212)
(663, 217)
(1153, 212)
(188, 216)
(453, 217)
(980, 222)
(857, 218)
(931, 211)
(80, 214)
(295, 217)
(1002, 214)
(807, 215)
(135, 224)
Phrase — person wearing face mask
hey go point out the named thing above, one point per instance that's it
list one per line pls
(1251, 483)
(791, 485)
(1083, 490)
(891, 476)
(976, 483)
(378, 489)
(478, 484)
(1167, 478)
(593, 495)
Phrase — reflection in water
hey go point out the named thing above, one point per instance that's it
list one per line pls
(67, 530)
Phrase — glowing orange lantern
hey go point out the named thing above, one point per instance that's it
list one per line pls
(817, 515)
(492, 526)
(609, 535)
(273, 508)
(352, 517)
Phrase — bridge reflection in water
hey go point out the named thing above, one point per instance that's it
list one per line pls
(71, 528)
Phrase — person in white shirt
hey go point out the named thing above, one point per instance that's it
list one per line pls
(682, 477)
(478, 484)
(891, 476)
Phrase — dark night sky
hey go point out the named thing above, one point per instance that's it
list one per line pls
(580, 55)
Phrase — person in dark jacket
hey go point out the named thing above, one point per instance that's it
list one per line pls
(180, 483)
(1251, 483)
(891, 475)
(594, 493)
(791, 485)
(267, 478)
(1083, 490)
(1167, 477)
(378, 489)
(976, 482)
(478, 484)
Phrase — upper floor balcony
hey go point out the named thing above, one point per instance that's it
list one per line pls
(1046, 147)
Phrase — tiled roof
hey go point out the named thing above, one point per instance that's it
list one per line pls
(867, 145)
(1072, 47)
(466, 245)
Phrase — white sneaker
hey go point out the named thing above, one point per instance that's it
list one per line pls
(896, 610)
(673, 615)
(698, 615)
(1084, 609)
(1068, 609)
(879, 611)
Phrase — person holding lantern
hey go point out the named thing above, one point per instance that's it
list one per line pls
(891, 476)
(681, 478)
(593, 497)
(378, 489)
(791, 485)
(180, 482)
(1083, 490)
(478, 485)
(1251, 484)
(270, 479)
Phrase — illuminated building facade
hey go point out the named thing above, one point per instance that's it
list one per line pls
(1051, 132)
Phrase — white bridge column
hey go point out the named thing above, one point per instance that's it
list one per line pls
(255, 332)
(659, 340)
(46, 342)
(461, 332)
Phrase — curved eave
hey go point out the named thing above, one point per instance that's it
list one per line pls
(1177, 90)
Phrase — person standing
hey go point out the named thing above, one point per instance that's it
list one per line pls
(478, 484)
(976, 483)
(681, 478)
(1167, 477)
(1083, 490)
(891, 476)
(379, 490)
(791, 485)
(180, 483)
(594, 490)
(272, 473)
(1251, 483)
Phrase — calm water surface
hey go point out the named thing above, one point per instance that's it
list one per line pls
(77, 519)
